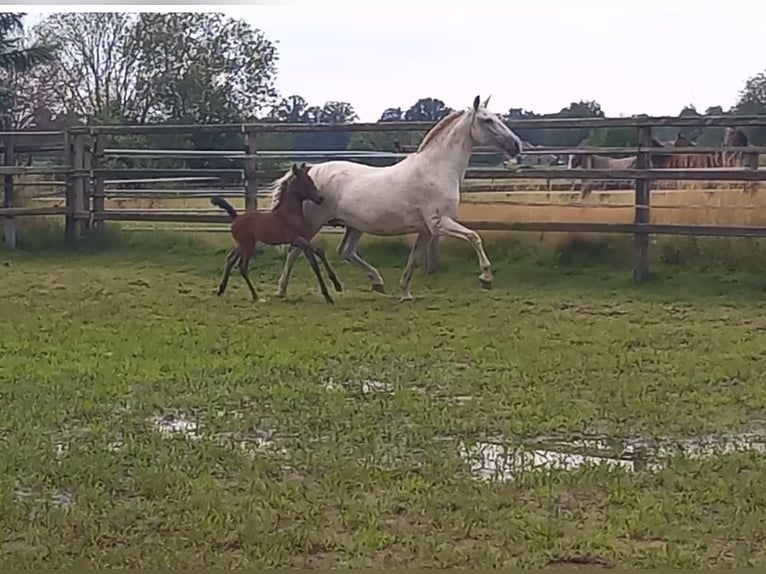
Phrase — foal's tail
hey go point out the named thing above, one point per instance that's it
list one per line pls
(219, 201)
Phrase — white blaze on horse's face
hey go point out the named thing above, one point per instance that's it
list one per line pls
(487, 129)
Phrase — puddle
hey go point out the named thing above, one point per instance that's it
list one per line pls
(501, 460)
(255, 441)
(368, 386)
(170, 425)
(60, 497)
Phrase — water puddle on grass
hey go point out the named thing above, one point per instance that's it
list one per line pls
(172, 424)
(60, 497)
(366, 386)
(502, 460)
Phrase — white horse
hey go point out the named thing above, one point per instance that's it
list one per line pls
(419, 194)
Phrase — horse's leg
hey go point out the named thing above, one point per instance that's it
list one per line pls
(330, 272)
(244, 268)
(302, 244)
(448, 226)
(347, 248)
(431, 254)
(292, 257)
(421, 243)
(231, 259)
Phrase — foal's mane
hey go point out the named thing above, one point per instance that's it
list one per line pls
(278, 186)
(445, 123)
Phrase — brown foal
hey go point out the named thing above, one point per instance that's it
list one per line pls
(284, 224)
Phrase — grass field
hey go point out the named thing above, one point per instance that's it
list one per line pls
(563, 415)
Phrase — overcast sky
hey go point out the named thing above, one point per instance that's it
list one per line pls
(650, 56)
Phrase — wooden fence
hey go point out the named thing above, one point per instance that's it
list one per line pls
(79, 171)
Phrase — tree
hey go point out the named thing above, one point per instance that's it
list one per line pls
(392, 115)
(752, 100)
(17, 58)
(427, 110)
(572, 137)
(338, 113)
(292, 109)
(533, 136)
(183, 66)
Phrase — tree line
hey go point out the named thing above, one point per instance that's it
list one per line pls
(188, 68)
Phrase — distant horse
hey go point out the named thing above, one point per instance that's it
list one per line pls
(594, 161)
(734, 137)
(419, 194)
(716, 159)
(284, 224)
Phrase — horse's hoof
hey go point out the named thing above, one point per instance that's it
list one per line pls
(378, 288)
(280, 295)
(485, 284)
(405, 298)
(329, 300)
(338, 287)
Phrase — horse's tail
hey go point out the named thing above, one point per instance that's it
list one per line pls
(219, 201)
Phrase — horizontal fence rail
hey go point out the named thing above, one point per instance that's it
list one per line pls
(85, 168)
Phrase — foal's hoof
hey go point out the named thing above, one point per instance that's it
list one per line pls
(485, 284)
(378, 288)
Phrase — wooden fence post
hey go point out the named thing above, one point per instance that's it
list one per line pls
(75, 185)
(9, 160)
(69, 226)
(641, 208)
(251, 170)
(97, 161)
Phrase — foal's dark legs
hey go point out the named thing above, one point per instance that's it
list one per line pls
(244, 268)
(334, 278)
(309, 249)
(231, 259)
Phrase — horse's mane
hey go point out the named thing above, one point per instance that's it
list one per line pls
(277, 186)
(440, 127)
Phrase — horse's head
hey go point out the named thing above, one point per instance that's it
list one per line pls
(489, 130)
(682, 141)
(302, 186)
(733, 137)
(574, 161)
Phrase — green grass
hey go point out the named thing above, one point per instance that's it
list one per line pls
(292, 464)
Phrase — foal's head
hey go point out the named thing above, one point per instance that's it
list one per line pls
(301, 187)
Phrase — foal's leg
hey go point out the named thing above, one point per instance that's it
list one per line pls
(448, 226)
(244, 268)
(231, 259)
(347, 248)
(330, 272)
(309, 249)
(416, 253)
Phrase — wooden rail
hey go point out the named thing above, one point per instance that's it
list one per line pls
(86, 155)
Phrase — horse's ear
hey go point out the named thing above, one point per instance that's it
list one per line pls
(303, 167)
(476, 101)
(295, 170)
(486, 102)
